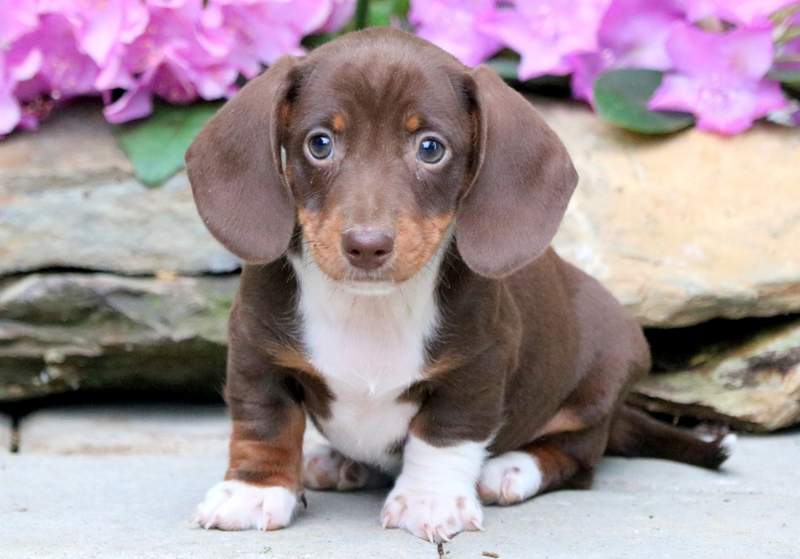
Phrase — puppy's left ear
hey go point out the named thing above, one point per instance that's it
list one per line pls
(235, 169)
(521, 187)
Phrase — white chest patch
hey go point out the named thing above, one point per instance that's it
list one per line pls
(370, 347)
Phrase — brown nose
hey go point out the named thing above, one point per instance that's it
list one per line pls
(367, 248)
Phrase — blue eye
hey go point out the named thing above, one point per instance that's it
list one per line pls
(430, 151)
(320, 146)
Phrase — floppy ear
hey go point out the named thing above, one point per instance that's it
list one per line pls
(522, 184)
(234, 166)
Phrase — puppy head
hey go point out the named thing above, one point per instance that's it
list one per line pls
(374, 145)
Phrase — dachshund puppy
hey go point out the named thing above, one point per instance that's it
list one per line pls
(394, 209)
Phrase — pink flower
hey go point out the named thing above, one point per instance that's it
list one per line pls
(744, 12)
(176, 58)
(264, 30)
(719, 78)
(456, 26)
(547, 32)
(632, 34)
(341, 12)
(18, 62)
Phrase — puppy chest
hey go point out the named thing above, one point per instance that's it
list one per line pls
(368, 349)
(367, 370)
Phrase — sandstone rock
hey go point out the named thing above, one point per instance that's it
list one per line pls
(754, 385)
(63, 332)
(688, 227)
(68, 199)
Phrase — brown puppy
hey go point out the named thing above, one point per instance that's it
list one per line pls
(395, 209)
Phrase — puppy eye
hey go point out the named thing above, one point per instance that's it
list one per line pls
(320, 146)
(430, 151)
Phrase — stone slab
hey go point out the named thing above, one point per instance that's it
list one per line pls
(5, 434)
(687, 227)
(753, 384)
(68, 198)
(681, 228)
(65, 332)
(157, 429)
(137, 506)
(73, 147)
(120, 227)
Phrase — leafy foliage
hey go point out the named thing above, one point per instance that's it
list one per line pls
(621, 98)
(156, 145)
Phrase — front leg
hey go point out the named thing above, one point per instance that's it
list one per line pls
(263, 483)
(434, 497)
(435, 494)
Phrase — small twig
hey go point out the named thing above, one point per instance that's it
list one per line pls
(491, 554)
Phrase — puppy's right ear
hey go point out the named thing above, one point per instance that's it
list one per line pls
(235, 169)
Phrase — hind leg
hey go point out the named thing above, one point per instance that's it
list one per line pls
(326, 469)
(550, 463)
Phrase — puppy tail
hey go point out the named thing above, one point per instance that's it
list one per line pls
(634, 433)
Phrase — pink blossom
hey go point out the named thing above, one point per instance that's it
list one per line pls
(719, 77)
(18, 62)
(546, 32)
(456, 26)
(632, 34)
(264, 30)
(744, 12)
(341, 12)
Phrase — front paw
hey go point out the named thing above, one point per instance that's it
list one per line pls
(235, 505)
(432, 516)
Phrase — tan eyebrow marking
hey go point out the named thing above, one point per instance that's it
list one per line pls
(413, 123)
(338, 122)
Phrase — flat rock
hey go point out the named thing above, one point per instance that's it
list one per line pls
(681, 228)
(127, 430)
(753, 385)
(68, 199)
(138, 506)
(5, 434)
(64, 332)
(687, 227)
(73, 147)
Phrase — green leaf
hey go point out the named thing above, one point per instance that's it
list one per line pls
(785, 76)
(621, 98)
(506, 68)
(156, 145)
(381, 12)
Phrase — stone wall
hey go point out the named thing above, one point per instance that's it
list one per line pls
(105, 283)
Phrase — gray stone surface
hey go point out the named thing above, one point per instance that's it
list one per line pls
(68, 199)
(5, 434)
(63, 332)
(74, 147)
(137, 505)
(682, 229)
(159, 429)
(120, 227)
(753, 384)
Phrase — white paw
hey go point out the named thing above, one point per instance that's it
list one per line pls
(509, 478)
(326, 468)
(435, 517)
(728, 444)
(235, 505)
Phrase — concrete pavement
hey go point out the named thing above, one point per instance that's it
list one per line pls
(122, 483)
